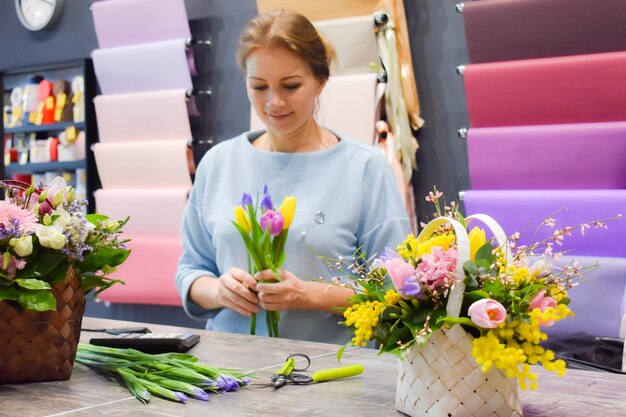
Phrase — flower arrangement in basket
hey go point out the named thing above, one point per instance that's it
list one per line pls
(464, 314)
(53, 254)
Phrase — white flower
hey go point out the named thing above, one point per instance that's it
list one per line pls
(64, 218)
(22, 246)
(50, 236)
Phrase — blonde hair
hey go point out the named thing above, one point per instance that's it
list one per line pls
(292, 31)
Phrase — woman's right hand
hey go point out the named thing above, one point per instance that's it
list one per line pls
(237, 290)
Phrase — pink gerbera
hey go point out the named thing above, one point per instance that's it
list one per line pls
(10, 214)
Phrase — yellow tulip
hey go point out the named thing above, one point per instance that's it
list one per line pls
(476, 239)
(288, 209)
(242, 219)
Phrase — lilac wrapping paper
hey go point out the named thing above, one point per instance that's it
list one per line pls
(525, 210)
(568, 156)
(127, 22)
(143, 67)
(607, 283)
(117, 23)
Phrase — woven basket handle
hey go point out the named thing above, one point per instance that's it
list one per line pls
(495, 228)
(455, 299)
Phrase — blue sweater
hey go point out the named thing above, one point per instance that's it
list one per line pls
(346, 198)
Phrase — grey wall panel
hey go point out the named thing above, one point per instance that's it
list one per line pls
(438, 47)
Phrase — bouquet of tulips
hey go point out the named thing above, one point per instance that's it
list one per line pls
(264, 231)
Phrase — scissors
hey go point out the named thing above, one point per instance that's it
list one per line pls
(285, 374)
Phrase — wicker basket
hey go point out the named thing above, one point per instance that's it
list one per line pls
(442, 377)
(41, 346)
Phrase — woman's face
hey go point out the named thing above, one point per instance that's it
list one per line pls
(281, 89)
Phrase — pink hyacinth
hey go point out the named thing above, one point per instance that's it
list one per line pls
(9, 212)
(437, 268)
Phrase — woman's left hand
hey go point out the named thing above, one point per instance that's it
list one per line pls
(288, 294)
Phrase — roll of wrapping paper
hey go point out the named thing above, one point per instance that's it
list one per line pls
(346, 107)
(525, 211)
(153, 211)
(151, 164)
(322, 9)
(148, 272)
(144, 67)
(607, 282)
(128, 22)
(571, 156)
(505, 30)
(354, 43)
(573, 89)
(157, 115)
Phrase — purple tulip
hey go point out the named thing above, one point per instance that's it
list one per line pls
(246, 199)
(275, 220)
(411, 287)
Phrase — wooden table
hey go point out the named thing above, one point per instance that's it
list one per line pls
(579, 393)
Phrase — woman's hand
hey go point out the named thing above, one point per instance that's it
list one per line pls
(236, 290)
(288, 294)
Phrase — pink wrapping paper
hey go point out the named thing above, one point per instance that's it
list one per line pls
(148, 164)
(127, 22)
(347, 106)
(525, 210)
(572, 89)
(155, 212)
(571, 156)
(157, 115)
(148, 272)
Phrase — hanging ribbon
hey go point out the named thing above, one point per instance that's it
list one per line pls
(407, 76)
(394, 101)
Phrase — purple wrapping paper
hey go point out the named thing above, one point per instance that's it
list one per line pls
(525, 210)
(607, 283)
(569, 156)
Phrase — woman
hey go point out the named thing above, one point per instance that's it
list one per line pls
(346, 197)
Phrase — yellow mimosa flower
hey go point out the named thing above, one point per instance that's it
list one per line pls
(242, 219)
(288, 209)
(477, 239)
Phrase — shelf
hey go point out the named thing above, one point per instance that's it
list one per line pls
(54, 127)
(42, 167)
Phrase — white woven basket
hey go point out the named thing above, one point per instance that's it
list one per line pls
(442, 377)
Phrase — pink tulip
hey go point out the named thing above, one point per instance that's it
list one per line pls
(487, 313)
(399, 271)
(542, 302)
(274, 219)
